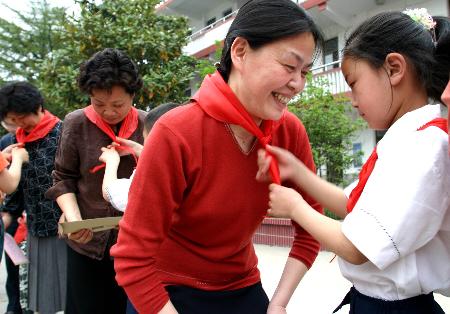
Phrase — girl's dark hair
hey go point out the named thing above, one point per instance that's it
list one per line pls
(156, 113)
(21, 98)
(261, 22)
(108, 68)
(390, 32)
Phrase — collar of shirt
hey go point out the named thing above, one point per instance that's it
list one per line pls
(410, 122)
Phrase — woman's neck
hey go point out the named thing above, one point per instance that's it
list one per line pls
(238, 88)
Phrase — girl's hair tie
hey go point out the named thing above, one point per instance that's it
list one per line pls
(422, 17)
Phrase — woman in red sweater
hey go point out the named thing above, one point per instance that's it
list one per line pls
(185, 242)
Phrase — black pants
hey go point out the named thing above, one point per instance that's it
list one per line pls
(91, 287)
(363, 304)
(247, 300)
(12, 279)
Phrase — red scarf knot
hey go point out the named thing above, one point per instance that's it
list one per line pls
(217, 100)
(45, 125)
(127, 128)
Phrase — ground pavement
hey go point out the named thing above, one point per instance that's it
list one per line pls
(320, 291)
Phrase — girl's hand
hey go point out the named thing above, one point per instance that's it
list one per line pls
(7, 152)
(287, 163)
(283, 201)
(109, 155)
(136, 147)
(20, 154)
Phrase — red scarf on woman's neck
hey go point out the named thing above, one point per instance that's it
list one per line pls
(127, 128)
(47, 123)
(217, 99)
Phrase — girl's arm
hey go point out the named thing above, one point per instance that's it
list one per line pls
(327, 194)
(112, 160)
(285, 202)
(10, 178)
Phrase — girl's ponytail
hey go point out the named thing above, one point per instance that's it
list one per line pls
(441, 68)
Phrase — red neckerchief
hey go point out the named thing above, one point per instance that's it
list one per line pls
(217, 99)
(370, 164)
(41, 130)
(127, 128)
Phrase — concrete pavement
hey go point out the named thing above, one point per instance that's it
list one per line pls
(323, 287)
(320, 291)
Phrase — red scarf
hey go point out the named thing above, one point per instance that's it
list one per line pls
(41, 130)
(217, 99)
(370, 164)
(129, 125)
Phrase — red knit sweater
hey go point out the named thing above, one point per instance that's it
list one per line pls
(194, 205)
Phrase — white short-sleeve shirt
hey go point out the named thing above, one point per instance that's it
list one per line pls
(401, 222)
(117, 192)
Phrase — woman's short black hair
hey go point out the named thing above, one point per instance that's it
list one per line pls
(261, 22)
(20, 98)
(389, 32)
(108, 68)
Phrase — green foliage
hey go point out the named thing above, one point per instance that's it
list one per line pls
(27, 43)
(153, 41)
(330, 126)
(206, 66)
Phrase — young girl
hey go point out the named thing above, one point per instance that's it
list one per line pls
(394, 243)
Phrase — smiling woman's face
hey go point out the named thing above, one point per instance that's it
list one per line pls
(113, 106)
(266, 78)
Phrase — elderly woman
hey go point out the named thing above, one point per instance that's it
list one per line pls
(185, 242)
(111, 80)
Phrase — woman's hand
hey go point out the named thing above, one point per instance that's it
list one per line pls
(288, 164)
(283, 201)
(276, 309)
(83, 236)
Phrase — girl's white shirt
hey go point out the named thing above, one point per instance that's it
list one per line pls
(401, 222)
(117, 192)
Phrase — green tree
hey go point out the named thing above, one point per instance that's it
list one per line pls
(330, 126)
(153, 41)
(26, 43)
(206, 66)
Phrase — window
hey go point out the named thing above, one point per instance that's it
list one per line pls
(331, 52)
(357, 155)
(210, 21)
(227, 12)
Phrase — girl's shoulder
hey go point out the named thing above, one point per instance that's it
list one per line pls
(418, 149)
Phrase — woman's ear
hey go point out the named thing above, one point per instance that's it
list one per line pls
(238, 51)
(395, 65)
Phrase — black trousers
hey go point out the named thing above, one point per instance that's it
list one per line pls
(12, 278)
(247, 300)
(91, 286)
(363, 304)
